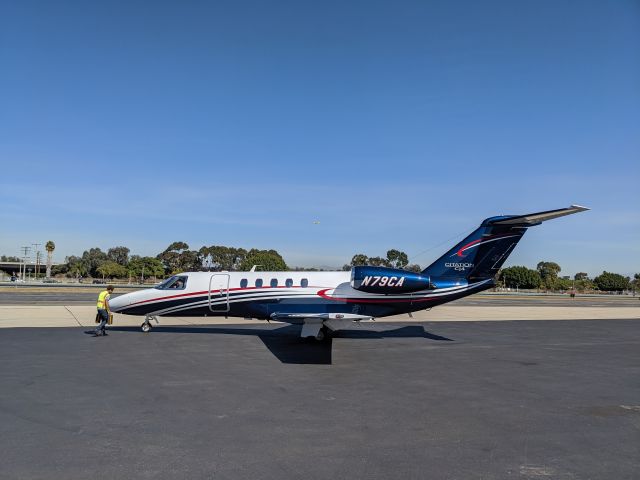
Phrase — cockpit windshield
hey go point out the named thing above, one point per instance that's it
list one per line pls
(177, 282)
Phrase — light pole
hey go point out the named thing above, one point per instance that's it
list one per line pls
(35, 248)
(25, 253)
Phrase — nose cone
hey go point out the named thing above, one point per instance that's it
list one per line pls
(130, 303)
(119, 303)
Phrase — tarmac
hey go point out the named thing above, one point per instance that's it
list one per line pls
(409, 400)
(489, 389)
(84, 315)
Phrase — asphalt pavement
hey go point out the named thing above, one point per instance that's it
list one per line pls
(474, 400)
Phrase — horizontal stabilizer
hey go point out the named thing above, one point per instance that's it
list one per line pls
(531, 219)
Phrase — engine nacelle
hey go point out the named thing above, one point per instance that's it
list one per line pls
(388, 280)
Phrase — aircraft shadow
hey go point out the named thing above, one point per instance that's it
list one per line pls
(287, 346)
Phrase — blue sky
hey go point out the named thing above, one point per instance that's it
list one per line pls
(393, 124)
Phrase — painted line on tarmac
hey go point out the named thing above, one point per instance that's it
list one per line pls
(74, 317)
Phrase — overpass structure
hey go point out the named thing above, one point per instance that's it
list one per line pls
(28, 266)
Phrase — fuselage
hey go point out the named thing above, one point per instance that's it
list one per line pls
(280, 295)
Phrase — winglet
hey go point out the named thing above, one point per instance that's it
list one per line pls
(531, 219)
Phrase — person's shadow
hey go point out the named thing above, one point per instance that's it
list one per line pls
(285, 342)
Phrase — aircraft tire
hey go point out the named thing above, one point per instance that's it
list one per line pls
(324, 334)
(145, 327)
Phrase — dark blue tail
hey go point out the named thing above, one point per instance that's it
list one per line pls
(482, 253)
(478, 256)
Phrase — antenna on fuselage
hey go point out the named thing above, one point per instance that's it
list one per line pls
(253, 269)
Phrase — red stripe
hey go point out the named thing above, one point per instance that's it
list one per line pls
(459, 253)
(480, 240)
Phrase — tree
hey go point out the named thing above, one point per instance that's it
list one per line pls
(413, 268)
(218, 257)
(394, 259)
(59, 269)
(92, 259)
(563, 284)
(170, 258)
(189, 261)
(4, 258)
(76, 267)
(49, 247)
(359, 259)
(549, 273)
(378, 262)
(584, 285)
(581, 276)
(119, 255)
(142, 267)
(178, 258)
(634, 284)
(112, 269)
(397, 259)
(611, 282)
(520, 277)
(268, 260)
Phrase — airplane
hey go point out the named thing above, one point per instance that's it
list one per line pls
(324, 302)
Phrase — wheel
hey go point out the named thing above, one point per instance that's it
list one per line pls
(323, 334)
(146, 327)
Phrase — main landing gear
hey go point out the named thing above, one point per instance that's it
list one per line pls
(315, 328)
(146, 325)
(323, 334)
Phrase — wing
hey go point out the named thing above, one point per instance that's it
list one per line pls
(301, 317)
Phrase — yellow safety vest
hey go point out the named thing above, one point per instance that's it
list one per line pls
(102, 300)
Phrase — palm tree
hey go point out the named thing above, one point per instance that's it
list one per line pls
(50, 247)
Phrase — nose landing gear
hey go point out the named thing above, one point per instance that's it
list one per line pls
(146, 325)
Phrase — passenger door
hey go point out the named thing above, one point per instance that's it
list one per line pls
(219, 292)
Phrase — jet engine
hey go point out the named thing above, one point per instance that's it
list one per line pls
(388, 280)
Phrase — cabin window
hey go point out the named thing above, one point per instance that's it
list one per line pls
(304, 283)
(177, 282)
(289, 282)
(258, 282)
(243, 283)
(274, 282)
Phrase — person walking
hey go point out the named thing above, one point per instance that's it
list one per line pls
(103, 310)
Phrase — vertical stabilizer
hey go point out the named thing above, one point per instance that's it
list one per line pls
(481, 254)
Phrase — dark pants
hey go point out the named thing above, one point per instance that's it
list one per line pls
(104, 318)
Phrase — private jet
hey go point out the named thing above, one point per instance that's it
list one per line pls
(324, 302)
